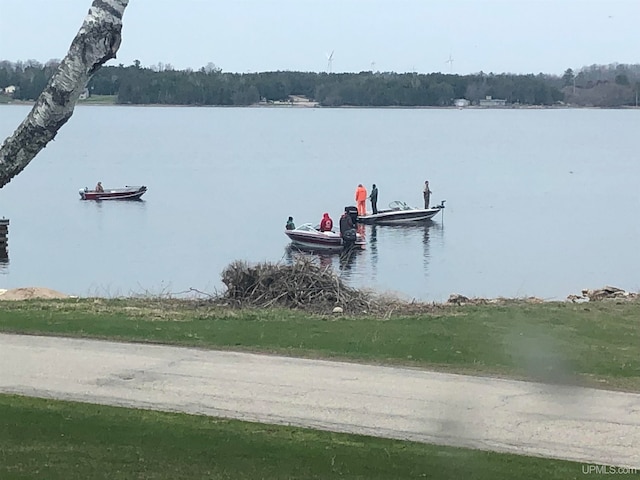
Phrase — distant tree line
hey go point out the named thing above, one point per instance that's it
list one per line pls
(29, 77)
(614, 85)
(610, 85)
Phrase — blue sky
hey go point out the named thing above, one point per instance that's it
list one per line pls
(516, 36)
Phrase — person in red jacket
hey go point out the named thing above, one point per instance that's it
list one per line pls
(361, 200)
(326, 225)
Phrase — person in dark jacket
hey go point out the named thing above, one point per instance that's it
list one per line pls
(347, 229)
(290, 225)
(426, 193)
(374, 199)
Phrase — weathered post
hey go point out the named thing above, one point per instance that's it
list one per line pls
(4, 240)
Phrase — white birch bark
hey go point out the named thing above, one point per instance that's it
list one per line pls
(97, 41)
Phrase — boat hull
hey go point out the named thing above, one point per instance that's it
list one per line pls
(127, 193)
(315, 240)
(392, 217)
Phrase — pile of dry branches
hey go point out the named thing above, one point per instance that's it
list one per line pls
(302, 285)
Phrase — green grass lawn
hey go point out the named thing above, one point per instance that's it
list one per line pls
(64, 440)
(590, 344)
(575, 343)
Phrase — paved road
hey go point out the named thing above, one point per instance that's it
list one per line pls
(573, 423)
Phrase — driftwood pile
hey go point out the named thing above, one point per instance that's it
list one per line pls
(302, 285)
(457, 299)
(604, 293)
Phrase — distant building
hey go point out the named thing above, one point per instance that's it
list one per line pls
(301, 101)
(492, 102)
(461, 102)
(10, 90)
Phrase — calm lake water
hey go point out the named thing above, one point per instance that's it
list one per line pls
(539, 202)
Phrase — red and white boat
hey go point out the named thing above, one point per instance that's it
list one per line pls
(307, 236)
(126, 193)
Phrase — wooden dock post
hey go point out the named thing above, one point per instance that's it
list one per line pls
(4, 240)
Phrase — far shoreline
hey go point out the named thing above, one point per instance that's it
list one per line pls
(283, 105)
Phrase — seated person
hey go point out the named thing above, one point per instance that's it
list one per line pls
(326, 225)
(99, 187)
(290, 225)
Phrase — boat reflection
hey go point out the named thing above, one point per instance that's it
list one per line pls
(397, 235)
(98, 204)
(373, 246)
(347, 259)
(342, 261)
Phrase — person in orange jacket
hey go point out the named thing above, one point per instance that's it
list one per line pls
(361, 200)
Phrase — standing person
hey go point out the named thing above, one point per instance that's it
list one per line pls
(426, 194)
(347, 229)
(326, 224)
(361, 200)
(99, 187)
(290, 225)
(374, 199)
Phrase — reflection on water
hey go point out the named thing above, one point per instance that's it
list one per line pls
(347, 260)
(393, 233)
(396, 251)
(99, 204)
(431, 229)
(341, 262)
(373, 248)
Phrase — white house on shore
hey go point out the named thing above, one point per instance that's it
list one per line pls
(492, 102)
(10, 90)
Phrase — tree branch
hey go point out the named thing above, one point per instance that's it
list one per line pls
(97, 42)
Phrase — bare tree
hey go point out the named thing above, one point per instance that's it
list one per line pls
(97, 42)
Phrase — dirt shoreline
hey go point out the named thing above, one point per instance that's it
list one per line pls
(587, 295)
(28, 293)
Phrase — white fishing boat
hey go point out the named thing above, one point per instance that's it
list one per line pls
(401, 213)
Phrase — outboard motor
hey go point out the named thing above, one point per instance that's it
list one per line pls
(348, 230)
(352, 212)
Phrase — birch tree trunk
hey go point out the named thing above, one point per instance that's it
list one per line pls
(97, 42)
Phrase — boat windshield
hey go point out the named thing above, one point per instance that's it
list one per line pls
(398, 205)
(307, 227)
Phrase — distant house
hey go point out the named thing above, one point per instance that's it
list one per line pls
(461, 102)
(302, 101)
(492, 102)
(10, 90)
